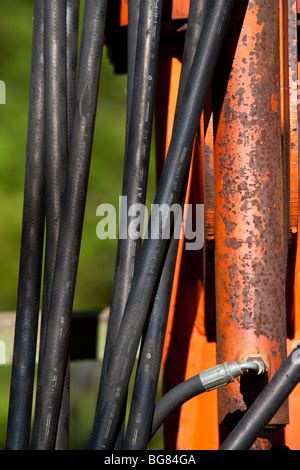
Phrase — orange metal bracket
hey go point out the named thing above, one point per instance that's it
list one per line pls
(179, 10)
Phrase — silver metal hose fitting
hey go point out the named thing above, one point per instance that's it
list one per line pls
(222, 374)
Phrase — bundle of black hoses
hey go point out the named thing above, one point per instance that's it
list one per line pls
(51, 110)
(72, 20)
(21, 390)
(148, 266)
(55, 357)
(61, 34)
(143, 47)
(55, 154)
(138, 431)
(60, 136)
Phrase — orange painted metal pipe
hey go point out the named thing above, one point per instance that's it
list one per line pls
(250, 251)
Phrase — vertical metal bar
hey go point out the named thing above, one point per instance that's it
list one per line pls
(293, 122)
(290, 147)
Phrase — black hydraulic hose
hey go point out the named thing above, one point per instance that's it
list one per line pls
(197, 16)
(21, 391)
(72, 20)
(140, 420)
(210, 379)
(136, 158)
(55, 144)
(136, 165)
(56, 136)
(52, 375)
(169, 189)
(119, 291)
(63, 427)
(138, 432)
(176, 397)
(266, 405)
(132, 37)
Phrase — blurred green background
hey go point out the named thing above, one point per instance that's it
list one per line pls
(96, 265)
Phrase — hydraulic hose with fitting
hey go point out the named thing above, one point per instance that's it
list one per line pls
(213, 378)
(266, 405)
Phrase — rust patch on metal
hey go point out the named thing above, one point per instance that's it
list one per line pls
(250, 247)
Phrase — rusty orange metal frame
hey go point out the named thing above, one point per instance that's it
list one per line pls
(250, 250)
(241, 162)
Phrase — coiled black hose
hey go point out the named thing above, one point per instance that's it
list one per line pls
(149, 262)
(21, 391)
(52, 375)
(266, 405)
(136, 162)
(138, 432)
